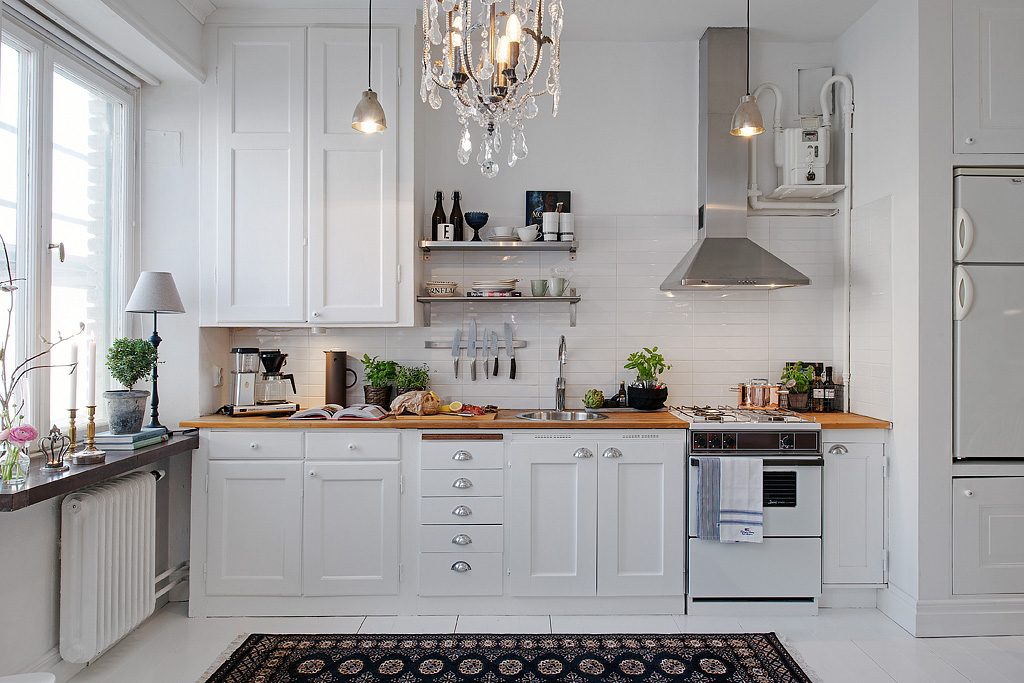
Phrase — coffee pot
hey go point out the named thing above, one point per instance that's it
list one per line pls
(274, 387)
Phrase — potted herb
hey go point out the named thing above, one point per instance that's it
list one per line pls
(646, 392)
(128, 360)
(380, 374)
(797, 379)
(412, 378)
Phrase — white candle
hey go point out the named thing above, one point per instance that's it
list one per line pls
(73, 389)
(90, 374)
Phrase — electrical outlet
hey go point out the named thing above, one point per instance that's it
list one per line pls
(218, 376)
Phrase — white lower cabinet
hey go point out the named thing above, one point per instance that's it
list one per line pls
(601, 517)
(988, 535)
(853, 507)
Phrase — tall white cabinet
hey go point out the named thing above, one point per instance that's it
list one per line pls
(988, 68)
(313, 220)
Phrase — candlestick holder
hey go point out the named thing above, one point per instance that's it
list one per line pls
(54, 448)
(91, 455)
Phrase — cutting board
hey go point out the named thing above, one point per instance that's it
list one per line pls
(454, 419)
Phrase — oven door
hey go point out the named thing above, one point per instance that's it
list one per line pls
(792, 496)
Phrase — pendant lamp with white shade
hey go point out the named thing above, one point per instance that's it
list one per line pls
(369, 115)
(747, 121)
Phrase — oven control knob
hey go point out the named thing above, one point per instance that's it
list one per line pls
(715, 440)
(729, 441)
(786, 441)
(700, 440)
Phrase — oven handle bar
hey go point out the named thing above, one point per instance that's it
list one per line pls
(781, 462)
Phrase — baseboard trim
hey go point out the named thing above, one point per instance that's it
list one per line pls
(899, 606)
(51, 661)
(860, 597)
(971, 616)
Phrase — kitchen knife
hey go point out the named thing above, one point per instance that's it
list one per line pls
(455, 349)
(494, 349)
(511, 350)
(487, 356)
(471, 348)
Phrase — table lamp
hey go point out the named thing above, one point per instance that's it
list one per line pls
(155, 293)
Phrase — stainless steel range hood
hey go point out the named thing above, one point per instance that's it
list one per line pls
(723, 255)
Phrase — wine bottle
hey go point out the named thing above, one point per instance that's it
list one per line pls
(818, 394)
(830, 391)
(456, 219)
(438, 216)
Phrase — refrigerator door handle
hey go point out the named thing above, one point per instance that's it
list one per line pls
(964, 227)
(963, 293)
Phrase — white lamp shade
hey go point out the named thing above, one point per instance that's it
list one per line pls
(155, 293)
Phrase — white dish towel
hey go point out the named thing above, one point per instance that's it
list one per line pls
(741, 517)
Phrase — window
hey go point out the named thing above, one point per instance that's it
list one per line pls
(66, 209)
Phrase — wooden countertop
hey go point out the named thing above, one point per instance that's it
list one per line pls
(42, 486)
(506, 419)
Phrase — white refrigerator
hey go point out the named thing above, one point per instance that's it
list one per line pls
(988, 313)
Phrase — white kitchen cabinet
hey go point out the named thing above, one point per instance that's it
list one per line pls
(988, 68)
(597, 517)
(254, 511)
(988, 535)
(853, 505)
(310, 214)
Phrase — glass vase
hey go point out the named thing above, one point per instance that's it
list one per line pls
(14, 463)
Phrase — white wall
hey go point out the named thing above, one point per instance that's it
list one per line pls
(880, 52)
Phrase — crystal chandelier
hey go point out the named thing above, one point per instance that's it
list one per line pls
(490, 73)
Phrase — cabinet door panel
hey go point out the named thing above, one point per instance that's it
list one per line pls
(253, 544)
(553, 506)
(640, 519)
(988, 67)
(261, 179)
(350, 534)
(853, 502)
(353, 266)
(988, 535)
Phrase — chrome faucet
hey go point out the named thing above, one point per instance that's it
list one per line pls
(560, 383)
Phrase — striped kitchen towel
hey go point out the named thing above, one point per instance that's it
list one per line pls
(741, 512)
(709, 481)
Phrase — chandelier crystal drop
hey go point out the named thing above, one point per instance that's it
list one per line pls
(488, 59)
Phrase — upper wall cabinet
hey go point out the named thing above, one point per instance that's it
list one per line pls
(309, 220)
(988, 69)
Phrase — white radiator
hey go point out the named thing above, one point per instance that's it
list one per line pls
(107, 564)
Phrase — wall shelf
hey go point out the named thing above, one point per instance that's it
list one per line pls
(426, 246)
(427, 301)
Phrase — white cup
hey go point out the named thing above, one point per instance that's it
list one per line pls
(502, 231)
(445, 232)
(550, 226)
(566, 227)
(527, 234)
(556, 286)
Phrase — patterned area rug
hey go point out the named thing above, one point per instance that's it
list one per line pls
(458, 658)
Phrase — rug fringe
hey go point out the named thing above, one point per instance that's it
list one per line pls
(217, 663)
(799, 659)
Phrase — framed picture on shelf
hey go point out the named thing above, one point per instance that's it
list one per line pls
(539, 201)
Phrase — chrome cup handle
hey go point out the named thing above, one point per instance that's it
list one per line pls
(462, 483)
(462, 511)
(462, 539)
(461, 566)
(612, 453)
(583, 453)
(462, 455)
(838, 449)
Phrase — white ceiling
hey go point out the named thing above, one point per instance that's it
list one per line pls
(660, 20)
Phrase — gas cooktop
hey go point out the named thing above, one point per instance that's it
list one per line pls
(743, 418)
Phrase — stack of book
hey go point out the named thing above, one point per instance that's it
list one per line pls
(108, 441)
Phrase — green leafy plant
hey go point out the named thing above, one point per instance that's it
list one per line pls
(797, 377)
(129, 360)
(648, 364)
(379, 373)
(413, 376)
(594, 399)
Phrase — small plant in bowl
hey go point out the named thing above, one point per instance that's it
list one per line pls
(797, 379)
(646, 392)
(380, 374)
(128, 360)
(412, 378)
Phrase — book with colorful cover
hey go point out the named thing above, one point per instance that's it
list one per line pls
(333, 411)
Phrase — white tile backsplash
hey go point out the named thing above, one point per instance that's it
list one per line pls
(711, 339)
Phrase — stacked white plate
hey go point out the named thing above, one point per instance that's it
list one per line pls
(494, 285)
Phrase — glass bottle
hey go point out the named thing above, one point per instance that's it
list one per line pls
(621, 396)
(456, 219)
(818, 394)
(438, 215)
(830, 391)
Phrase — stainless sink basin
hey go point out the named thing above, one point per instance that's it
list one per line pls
(563, 416)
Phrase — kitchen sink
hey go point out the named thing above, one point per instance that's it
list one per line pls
(561, 416)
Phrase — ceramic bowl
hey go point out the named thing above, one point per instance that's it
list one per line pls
(441, 288)
(502, 231)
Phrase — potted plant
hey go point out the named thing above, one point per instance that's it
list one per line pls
(412, 378)
(128, 360)
(797, 379)
(380, 374)
(646, 392)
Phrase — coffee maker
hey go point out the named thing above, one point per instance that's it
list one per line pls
(249, 391)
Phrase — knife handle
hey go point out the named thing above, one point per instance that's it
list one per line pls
(495, 373)
(512, 368)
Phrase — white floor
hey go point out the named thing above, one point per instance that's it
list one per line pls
(839, 646)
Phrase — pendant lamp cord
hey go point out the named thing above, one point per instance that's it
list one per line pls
(748, 47)
(370, 45)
